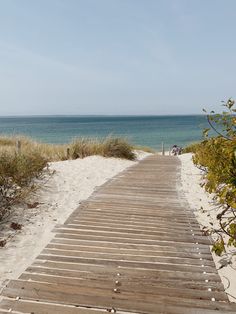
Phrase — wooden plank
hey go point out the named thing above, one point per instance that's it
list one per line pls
(128, 271)
(147, 265)
(190, 238)
(132, 240)
(131, 229)
(169, 278)
(43, 308)
(128, 284)
(83, 296)
(129, 221)
(22, 306)
(133, 225)
(160, 246)
(123, 251)
(128, 257)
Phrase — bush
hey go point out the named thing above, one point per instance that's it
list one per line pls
(218, 157)
(16, 177)
(192, 148)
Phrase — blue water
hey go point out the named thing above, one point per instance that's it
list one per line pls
(142, 130)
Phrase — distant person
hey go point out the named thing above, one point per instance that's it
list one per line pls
(176, 150)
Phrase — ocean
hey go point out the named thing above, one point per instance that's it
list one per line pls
(141, 130)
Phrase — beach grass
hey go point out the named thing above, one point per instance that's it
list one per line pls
(27, 145)
(78, 148)
(17, 177)
(108, 147)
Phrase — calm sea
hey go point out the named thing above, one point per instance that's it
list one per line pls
(142, 130)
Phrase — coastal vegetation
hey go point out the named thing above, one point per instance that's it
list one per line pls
(108, 147)
(79, 148)
(23, 161)
(217, 157)
(17, 175)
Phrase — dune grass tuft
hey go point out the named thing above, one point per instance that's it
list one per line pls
(119, 148)
(108, 147)
(17, 174)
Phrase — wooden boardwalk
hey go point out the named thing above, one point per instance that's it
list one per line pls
(133, 247)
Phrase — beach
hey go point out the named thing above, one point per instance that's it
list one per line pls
(71, 182)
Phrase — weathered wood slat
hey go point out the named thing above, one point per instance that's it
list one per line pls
(68, 294)
(21, 306)
(137, 236)
(131, 228)
(127, 239)
(105, 288)
(145, 284)
(128, 257)
(163, 246)
(123, 251)
(133, 264)
(43, 308)
(177, 279)
(128, 270)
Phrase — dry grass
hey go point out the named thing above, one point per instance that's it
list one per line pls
(17, 174)
(79, 148)
(28, 146)
(108, 147)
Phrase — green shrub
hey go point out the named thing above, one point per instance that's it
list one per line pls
(192, 148)
(17, 173)
(218, 156)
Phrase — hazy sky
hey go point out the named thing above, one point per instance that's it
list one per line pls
(116, 56)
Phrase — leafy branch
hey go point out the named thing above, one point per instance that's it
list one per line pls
(218, 156)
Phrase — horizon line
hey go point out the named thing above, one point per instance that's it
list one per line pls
(98, 115)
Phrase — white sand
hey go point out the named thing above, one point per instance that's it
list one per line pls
(59, 195)
(203, 206)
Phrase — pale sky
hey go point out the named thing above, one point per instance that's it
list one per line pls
(116, 56)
